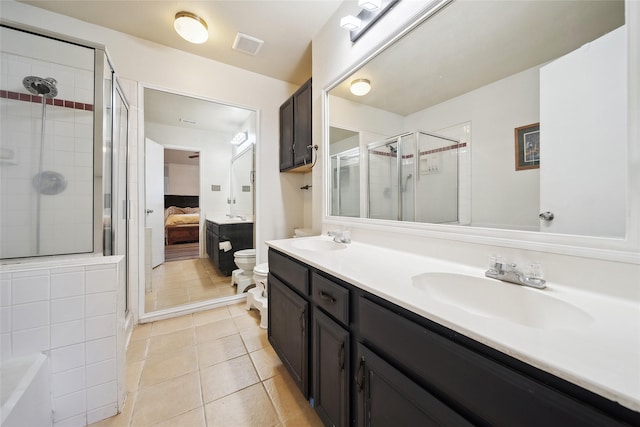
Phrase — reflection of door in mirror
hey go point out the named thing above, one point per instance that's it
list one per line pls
(242, 175)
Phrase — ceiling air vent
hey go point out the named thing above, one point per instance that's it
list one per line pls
(247, 44)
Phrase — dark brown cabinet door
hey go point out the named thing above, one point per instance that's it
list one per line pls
(302, 125)
(330, 370)
(295, 129)
(385, 397)
(286, 134)
(288, 331)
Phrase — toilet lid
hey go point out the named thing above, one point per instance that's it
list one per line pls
(245, 253)
(261, 268)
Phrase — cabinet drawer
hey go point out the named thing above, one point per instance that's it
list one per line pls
(294, 274)
(488, 392)
(331, 297)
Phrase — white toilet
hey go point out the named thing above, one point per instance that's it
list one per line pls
(257, 297)
(243, 276)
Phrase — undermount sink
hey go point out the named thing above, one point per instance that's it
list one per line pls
(496, 299)
(317, 245)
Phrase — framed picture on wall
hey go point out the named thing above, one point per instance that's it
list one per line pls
(527, 140)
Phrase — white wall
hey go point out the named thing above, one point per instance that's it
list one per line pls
(606, 265)
(182, 179)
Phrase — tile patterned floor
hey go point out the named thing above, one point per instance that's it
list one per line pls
(209, 369)
(180, 282)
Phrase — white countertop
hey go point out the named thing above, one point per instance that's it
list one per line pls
(602, 356)
(226, 220)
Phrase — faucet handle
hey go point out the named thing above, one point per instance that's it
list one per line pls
(533, 270)
(496, 263)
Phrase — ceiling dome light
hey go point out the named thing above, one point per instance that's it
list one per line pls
(191, 27)
(360, 87)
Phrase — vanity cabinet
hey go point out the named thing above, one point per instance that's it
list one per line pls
(331, 351)
(288, 325)
(295, 131)
(240, 235)
(375, 363)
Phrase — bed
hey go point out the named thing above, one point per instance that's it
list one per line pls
(181, 219)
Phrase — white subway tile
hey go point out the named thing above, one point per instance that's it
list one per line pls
(5, 320)
(101, 372)
(65, 358)
(30, 341)
(101, 349)
(102, 413)
(64, 334)
(5, 347)
(30, 289)
(102, 395)
(29, 316)
(77, 421)
(67, 284)
(100, 280)
(69, 405)
(67, 382)
(5, 292)
(102, 303)
(67, 309)
(100, 326)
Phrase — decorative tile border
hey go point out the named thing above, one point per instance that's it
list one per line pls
(50, 101)
(423, 153)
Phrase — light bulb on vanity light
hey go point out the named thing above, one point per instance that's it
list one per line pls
(370, 4)
(360, 87)
(350, 22)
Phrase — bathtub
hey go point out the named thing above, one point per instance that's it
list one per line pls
(25, 393)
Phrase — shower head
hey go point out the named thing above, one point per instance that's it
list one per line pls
(39, 86)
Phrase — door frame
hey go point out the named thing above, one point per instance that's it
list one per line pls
(142, 316)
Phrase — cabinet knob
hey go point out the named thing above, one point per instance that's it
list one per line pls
(149, 211)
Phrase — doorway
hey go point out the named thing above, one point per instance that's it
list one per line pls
(195, 179)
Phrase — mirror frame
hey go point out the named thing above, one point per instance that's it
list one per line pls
(626, 249)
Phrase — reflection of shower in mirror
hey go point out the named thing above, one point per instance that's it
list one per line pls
(406, 181)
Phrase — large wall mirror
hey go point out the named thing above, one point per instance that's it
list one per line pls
(500, 115)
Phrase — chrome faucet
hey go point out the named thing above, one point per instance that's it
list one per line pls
(340, 236)
(510, 273)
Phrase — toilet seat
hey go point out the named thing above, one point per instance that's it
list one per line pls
(262, 269)
(245, 253)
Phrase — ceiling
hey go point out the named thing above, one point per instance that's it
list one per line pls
(193, 113)
(470, 44)
(285, 26)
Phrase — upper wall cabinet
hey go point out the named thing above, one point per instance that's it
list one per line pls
(295, 131)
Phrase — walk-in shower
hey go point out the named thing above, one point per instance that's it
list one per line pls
(414, 177)
(44, 182)
(59, 133)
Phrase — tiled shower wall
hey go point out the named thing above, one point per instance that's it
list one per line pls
(66, 218)
(75, 315)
